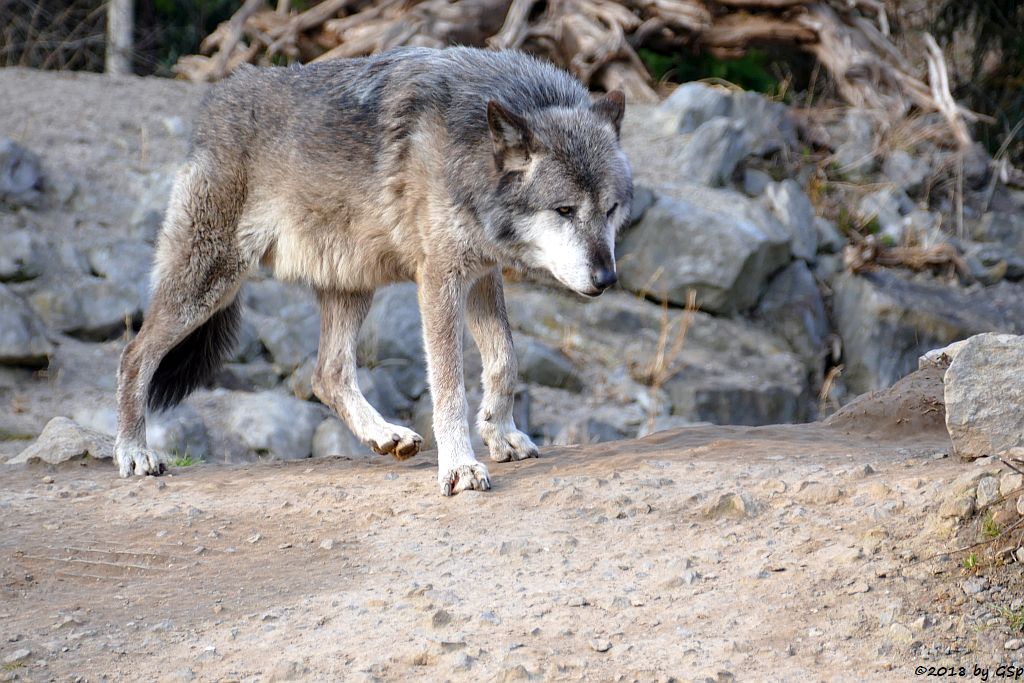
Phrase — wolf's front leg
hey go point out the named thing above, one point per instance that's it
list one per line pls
(442, 305)
(334, 383)
(489, 324)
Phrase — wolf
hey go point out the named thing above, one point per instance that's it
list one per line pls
(437, 166)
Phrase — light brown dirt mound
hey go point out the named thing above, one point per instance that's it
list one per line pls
(911, 408)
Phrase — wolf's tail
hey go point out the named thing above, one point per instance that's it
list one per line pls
(196, 358)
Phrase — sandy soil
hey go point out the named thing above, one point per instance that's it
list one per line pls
(717, 553)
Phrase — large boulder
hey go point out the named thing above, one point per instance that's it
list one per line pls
(392, 335)
(22, 334)
(265, 423)
(718, 242)
(887, 321)
(984, 395)
(541, 364)
(286, 319)
(792, 207)
(62, 440)
(87, 307)
(792, 307)
(765, 125)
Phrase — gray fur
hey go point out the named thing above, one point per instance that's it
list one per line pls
(439, 166)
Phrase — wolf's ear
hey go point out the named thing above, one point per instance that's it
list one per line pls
(611, 107)
(511, 138)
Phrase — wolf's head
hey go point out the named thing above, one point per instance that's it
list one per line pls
(564, 189)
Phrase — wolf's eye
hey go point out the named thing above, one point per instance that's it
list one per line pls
(566, 211)
(612, 210)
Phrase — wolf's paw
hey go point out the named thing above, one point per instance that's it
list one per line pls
(134, 459)
(397, 441)
(462, 477)
(510, 445)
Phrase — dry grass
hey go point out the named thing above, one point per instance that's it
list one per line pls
(662, 364)
(53, 34)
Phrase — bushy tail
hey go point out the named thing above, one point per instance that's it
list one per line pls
(195, 360)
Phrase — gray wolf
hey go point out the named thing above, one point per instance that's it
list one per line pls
(438, 166)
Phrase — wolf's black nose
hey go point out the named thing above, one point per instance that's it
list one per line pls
(603, 278)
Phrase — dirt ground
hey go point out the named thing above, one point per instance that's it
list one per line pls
(789, 553)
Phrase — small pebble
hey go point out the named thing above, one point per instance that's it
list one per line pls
(327, 544)
(600, 645)
(1014, 644)
(47, 479)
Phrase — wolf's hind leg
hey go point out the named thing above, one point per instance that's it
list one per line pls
(334, 381)
(193, 315)
(488, 323)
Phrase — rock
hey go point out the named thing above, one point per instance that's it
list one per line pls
(888, 206)
(382, 392)
(63, 440)
(588, 430)
(643, 197)
(90, 308)
(737, 398)
(792, 307)
(23, 256)
(974, 585)
(1004, 227)
(1009, 483)
(249, 346)
(713, 152)
(179, 431)
(125, 261)
(887, 322)
(392, 335)
(766, 125)
(905, 171)
(268, 423)
(333, 437)
(541, 364)
(854, 158)
(99, 416)
(291, 337)
(755, 182)
(1013, 644)
(988, 491)
(984, 390)
(693, 104)
(600, 644)
(21, 176)
(740, 504)
(666, 422)
(830, 240)
(17, 657)
(791, 206)
(148, 214)
(668, 252)
(287, 670)
(22, 334)
(992, 262)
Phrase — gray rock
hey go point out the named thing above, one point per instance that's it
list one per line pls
(984, 392)
(1004, 227)
(88, 307)
(643, 197)
(995, 261)
(766, 125)
(270, 423)
(249, 347)
(392, 332)
(23, 256)
(300, 383)
(755, 182)
(22, 334)
(888, 206)
(148, 214)
(887, 322)
(380, 389)
(99, 416)
(791, 206)
(333, 437)
(855, 155)
(793, 308)
(541, 364)
(21, 176)
(179, 431)
(668, 252)
(713, 152)
(974, 585)
(830, 240)
(63, 440)
(737, 399)
(291, 337)
(907, 172)
(19, 656)
(666, 422)
(987, 492)
(588, 430)
(693, 104)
